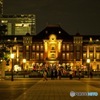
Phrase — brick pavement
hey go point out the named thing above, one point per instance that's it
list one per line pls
(59, 90)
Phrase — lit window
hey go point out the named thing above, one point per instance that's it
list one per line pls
(37, 55)
(41, 47)
(37, 47)
(41, 56)
(33, 55)
(84, 55)
(67, 56)
(27, 47)
(64, 47)
(14, 48)
(63, 56)
(97, 55)
(52, 55)
(33, 47)
(67, 47)
(91, 55)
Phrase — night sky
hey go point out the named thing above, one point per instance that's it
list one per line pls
(73, 16)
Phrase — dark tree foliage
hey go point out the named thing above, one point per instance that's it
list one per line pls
(3, 29)
(3, 50)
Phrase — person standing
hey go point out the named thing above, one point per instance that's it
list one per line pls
(52, 77)
(91, 74)
(59, 74)
(79, 75)
(71, 74)
(45, 75)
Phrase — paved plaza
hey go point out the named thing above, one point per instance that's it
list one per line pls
(60, 89)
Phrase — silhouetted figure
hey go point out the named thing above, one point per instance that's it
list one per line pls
(59, 74)
(56, 73)
(71, 74)
(91, 74)
(79, 75)
(45, 75)
(52, 77)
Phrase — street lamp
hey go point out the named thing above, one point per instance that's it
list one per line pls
(24, 61)
(12, 57)
(88, 66)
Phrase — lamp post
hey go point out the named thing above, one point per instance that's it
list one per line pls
(12, 57)
(88, 66)
(24, 61)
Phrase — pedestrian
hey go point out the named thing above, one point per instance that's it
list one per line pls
(59, 74)
(45, 75)
(71, 74)
(91, 74)
(52, 77)
(79, 75)
(55, 73)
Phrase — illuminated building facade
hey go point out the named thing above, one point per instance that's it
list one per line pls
(19, 24)
(54, 46)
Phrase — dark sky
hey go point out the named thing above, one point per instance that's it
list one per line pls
(74, 16)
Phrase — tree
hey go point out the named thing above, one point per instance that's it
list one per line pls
(3, 29)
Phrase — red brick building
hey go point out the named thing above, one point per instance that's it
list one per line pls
(54, 46)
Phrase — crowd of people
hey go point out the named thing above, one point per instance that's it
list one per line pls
(55, 73)
(58, 73)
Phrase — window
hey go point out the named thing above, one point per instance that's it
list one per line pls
(67, 47)
(20, 55)
(33, 55)
(67, 56)
(41, 47)
(71, 47)
(97, 48)
(71, 56)
(41, 56)
(63, 47)
(53, 48)
(14, 47)
(91, 48)
(78, 48)
(20, 48)
(27, 47)
(52, 55)
(27, 55)
(37, 47)
(84, 55)
(37, 56)
(33, 46)
(63, 56)
(78, 55)
(84, 48)
(98, 68)
(97, 55)
(91, 55)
